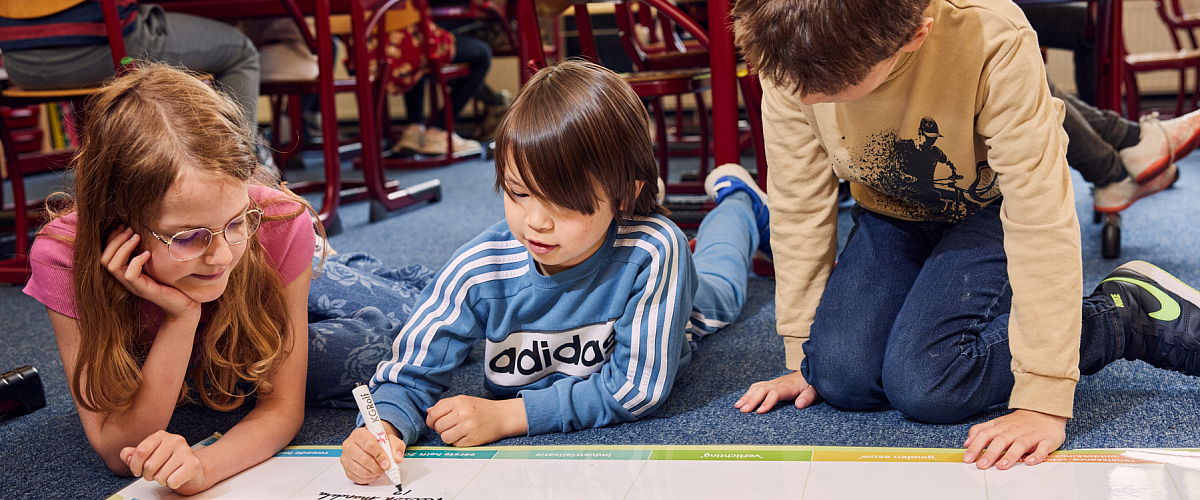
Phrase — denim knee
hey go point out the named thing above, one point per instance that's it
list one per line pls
(926, 401)
(846, 385)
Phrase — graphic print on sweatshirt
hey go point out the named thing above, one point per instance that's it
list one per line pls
(523, 358)
(916, 180)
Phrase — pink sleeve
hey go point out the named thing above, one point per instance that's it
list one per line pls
(289, 242)
(51, 260)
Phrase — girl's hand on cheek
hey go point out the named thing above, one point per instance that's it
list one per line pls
(118, 258)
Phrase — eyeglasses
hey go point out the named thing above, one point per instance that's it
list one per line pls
(192, 243)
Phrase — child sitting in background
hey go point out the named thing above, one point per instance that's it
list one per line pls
(179, 274)
(586, 297)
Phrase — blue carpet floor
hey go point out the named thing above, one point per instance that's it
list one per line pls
(1128, 404)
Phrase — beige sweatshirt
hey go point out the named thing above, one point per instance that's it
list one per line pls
(979, 82)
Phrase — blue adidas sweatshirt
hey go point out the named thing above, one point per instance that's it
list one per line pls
(594, 345)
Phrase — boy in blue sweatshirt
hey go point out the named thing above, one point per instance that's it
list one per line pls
(586, 296)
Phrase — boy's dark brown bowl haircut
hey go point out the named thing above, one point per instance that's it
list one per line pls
(576, 127)
(822, 46)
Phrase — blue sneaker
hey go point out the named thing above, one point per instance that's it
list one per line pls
(1160, 316)
(730, 178)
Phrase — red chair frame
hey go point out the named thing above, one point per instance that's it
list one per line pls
(1181, 59)
(15, 269)
(650, 85)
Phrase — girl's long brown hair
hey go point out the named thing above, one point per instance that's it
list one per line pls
(146, 129)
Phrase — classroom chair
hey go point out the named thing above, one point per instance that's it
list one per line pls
(437, 79)
(1181, 59)
(651, 85)
(15, 268)
(385, 196)
(652, 43)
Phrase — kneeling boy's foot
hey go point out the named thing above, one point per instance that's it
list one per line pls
(1160, 316)
(1162, 143)
(730, 178)
(1120, 195)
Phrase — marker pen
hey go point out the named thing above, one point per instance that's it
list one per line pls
(366, 406)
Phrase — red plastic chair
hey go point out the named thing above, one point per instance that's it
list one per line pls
(653, 44)
(485, 11)
(1181, 59)
(647, 83)
(15, 268)
(385, 196)
(439, 93)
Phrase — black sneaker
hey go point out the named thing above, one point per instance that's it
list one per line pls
(1160, 315)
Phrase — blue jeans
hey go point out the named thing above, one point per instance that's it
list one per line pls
(725, 245)
(915, 316)
(356, 307)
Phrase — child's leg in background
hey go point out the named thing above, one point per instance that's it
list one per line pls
(356, 307)
(473, 52)
(844, 355)
(1095, 138)
(947, 355)
(725, 244)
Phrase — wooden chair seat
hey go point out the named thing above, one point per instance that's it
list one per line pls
(1149, 61)
(671, 60)
(677, 74)
(15, 92)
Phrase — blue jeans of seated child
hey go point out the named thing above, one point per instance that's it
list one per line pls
(356, 307)
(915, 316)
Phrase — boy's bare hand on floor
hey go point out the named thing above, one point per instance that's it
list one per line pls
(764, 395)
(471, 421)
(1019, 432)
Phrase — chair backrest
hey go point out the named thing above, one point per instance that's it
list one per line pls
(664, 9)
(1178, 22)
(661, 48)
(25, 9)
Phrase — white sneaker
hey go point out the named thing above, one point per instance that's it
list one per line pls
(412, 139)
(1161, 144)
(1120, 195)
(435, 144)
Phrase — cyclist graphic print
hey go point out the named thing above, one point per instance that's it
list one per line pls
(915, 179)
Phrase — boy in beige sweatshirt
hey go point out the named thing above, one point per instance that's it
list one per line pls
(959, 287)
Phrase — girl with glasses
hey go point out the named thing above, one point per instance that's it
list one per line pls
(177, 275)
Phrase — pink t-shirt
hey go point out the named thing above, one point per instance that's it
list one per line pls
(289, 244)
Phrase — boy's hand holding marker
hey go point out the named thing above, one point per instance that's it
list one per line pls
(364, 459)
(382, 436)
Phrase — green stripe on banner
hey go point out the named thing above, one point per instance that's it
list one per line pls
(734, 455)
(601, 454)
(484, 454)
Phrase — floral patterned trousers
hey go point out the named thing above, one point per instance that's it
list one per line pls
(356, 308)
